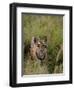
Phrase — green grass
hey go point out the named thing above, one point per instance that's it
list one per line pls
(40, 26)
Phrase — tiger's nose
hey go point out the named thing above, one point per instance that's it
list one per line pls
(41, 50)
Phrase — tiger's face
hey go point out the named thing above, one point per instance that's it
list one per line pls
(38, 48)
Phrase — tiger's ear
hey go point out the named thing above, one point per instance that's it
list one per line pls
(45, 38)
(33, 41)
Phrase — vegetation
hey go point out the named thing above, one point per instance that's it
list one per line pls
(52, 27)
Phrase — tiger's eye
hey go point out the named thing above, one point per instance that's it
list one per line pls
(38, 45)
(44, 46)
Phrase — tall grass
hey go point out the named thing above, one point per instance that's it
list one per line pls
(50, 26)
